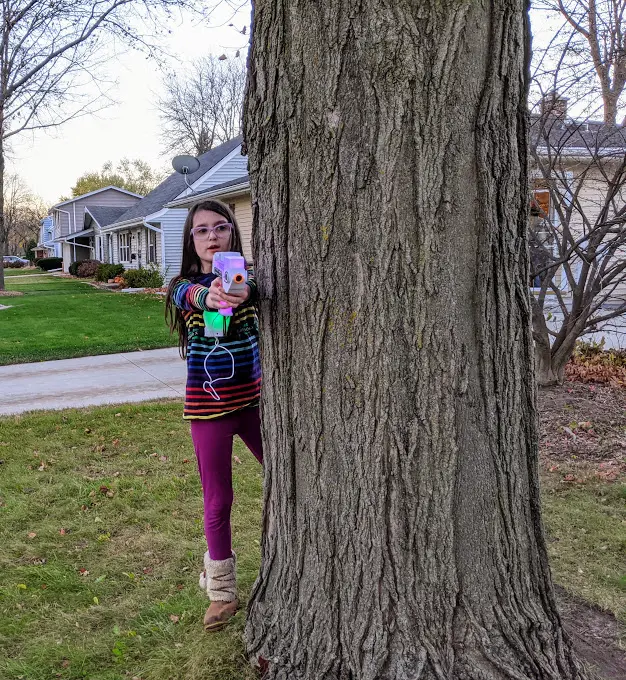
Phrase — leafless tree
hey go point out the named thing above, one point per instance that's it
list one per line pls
(23, 212)
(52, 54)
(578, 178)
(577, 235)
(201, 107)
(587, 50)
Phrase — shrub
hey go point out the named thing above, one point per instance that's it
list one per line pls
(87, 268)
(73, 268)
(14, 265)
(144, 277)
(48, 263)
(108, 271)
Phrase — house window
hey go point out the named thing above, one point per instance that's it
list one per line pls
(542, 241)
(152, 246)
(540, 205)
(124, 247)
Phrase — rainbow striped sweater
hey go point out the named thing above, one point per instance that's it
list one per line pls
(222, 375)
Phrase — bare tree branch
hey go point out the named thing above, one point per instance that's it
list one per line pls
(202, 108)
(53, 52)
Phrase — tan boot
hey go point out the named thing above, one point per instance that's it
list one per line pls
(218, 580)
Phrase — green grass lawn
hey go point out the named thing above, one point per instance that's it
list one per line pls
(101, 528)
(23, 272)
(59, 318)
(586, 532)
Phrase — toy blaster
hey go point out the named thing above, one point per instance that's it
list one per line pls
(231, 268)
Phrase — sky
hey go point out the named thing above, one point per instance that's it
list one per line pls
(50, 162)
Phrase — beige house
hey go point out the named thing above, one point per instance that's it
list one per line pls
(578, 223)
(236, 194)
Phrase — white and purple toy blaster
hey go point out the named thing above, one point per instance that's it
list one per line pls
(231, 268)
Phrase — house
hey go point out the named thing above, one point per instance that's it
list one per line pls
(578, 218)
(46, 247)
(150, 232)
(80, 242)
(572, 164)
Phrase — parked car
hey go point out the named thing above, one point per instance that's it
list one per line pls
(10, 259)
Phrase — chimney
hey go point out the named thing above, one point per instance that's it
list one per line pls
(553, 104)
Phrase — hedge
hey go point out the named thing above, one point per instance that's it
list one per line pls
(48, 263)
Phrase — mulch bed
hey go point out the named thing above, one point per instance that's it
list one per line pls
(582, 428)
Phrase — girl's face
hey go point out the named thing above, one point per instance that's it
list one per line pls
(211, 233)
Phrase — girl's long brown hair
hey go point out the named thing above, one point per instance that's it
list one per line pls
(192, 266)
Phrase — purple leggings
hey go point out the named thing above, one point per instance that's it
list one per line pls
(213, 442)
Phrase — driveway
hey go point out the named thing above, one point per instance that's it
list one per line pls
(90, 381)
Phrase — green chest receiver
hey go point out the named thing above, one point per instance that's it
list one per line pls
(215, 325)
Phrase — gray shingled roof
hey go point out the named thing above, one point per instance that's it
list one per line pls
(174, 185)
(105, 215)
(218, 187)
(567, 134)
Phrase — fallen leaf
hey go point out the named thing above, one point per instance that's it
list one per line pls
(116, 442)
(83, 572)
(65, 663)
(163, 459)
(185, 460)
(62, 532)
(32, 534)
(174, 618)
(117, 415)
(237, 460)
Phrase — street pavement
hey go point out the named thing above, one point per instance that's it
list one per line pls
(92, 381)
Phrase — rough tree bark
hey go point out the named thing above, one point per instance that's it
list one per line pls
(402, 531)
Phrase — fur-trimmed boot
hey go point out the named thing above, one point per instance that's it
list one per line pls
(219, 582)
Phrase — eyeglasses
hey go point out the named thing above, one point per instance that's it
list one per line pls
(219, 231)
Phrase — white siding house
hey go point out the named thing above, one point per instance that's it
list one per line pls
(151, 230)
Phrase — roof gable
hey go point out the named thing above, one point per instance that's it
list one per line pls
(93, 193)
(103, 215)
(175, 184)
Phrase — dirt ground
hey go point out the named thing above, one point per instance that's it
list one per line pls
(583, 433)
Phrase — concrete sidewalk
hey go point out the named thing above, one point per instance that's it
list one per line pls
(89, 381)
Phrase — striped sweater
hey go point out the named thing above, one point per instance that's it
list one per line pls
(222, 375)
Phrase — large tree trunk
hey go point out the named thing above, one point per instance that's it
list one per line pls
(402, 531)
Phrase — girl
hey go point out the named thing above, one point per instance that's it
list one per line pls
(223, 385)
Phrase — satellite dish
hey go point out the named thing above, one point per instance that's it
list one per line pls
(186, 165)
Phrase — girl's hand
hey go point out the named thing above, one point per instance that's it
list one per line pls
(218, 299)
